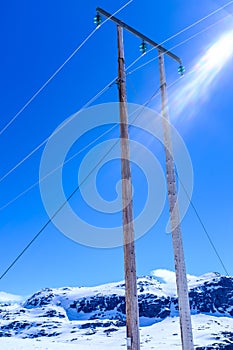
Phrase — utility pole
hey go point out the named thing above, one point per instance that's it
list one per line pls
(130, 268)
(132, 318)
(181, 279)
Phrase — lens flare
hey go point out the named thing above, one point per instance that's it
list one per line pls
(196, 85)
(219, 53)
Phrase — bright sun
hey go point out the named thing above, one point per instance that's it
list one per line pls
(219, 53)
(196, 84)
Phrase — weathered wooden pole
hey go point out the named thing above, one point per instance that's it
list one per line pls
(132, 318)
(181, 277)
(130, 271)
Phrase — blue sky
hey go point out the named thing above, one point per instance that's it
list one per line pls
(35, 41)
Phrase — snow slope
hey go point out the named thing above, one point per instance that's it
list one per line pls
(94, 318)
(163, 335)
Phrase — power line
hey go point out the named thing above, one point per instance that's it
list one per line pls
(76, 154)
(70, 196)
(32, 186)
(184, 30)
(87, 38)
(113, 81)
(64, 124)
(56, 131)
(209, 238)
(179, 44)
(50, 220)
(196, 211)
(57, 71)
(198, 21)
(198, 215)
(203, 226)
(51, 172)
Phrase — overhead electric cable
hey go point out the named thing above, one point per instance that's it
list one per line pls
(56, 131)
(89, 36)
(50, 220)
(138, 58)
(100, 93)
(71, 195)
(196, 211)
(198, 21)
(54, 170)
(63, 125)
(57, 71)
(209, 238)
(179, 44)
(203, 226)
(74, 156)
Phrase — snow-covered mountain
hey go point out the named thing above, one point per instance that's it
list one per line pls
(95, 317)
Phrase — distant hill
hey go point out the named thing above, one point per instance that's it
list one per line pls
(95, 317)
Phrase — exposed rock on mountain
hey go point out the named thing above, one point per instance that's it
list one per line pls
(67, 313)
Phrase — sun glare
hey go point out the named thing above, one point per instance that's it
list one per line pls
(197, 83)
(219, 53)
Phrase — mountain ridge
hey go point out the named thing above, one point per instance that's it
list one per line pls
(67, 313)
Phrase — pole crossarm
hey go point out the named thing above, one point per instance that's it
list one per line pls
(140, 35)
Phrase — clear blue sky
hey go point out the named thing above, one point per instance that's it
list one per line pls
(35, 40)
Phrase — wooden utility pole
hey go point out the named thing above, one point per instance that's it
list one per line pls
(132, 318)
(130, 270)
(181, 279)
